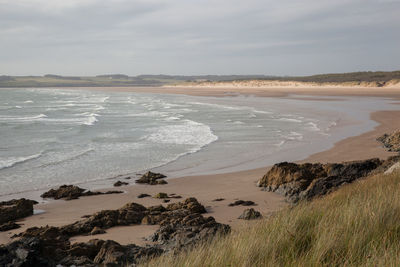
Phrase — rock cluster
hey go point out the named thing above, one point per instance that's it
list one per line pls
(181, 224)
(69, 192)
(391, 141)
(250, 214)
(305, 181)
(152, 178)
(13, 210)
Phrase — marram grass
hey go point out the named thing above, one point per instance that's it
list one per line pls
(358, 225)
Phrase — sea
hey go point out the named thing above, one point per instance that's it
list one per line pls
(50, 137)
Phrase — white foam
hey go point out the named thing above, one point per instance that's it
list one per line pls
(313, 126)
(189, 133)
(289, 120)
(294, 136)
(18, 107)
(28, 101)
(11, 161)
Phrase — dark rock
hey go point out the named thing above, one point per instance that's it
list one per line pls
(13, 210)
(70, 192)
(161, 195)
(151, 178)
(218, 199)
(119, 183)
(161, 182)
(305, 181)
(143, 195)
(250, 214)
(242, 202)
(391, 141)
(97, 231)
(166, 200)
(9, 226)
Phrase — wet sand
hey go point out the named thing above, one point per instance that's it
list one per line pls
(206, 188)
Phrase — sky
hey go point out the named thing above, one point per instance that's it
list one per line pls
(197, 37)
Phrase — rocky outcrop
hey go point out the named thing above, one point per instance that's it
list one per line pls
(242, 203)
(305, 181)
(69, 192)
(250, 214)
(152, 178)
(38, 252)
(143, 195)
(391, 141)
(181, 224)
(13, 210)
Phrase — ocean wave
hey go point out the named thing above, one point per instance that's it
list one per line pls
(11, 161)
(22, 119)
(69, 157)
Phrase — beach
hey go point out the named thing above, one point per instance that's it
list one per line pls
(229, 186)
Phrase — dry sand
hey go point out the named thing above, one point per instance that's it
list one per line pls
(231, 186)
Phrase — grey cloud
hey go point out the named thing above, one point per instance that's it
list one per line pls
(198, 37)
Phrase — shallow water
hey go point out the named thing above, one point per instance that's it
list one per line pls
(51, 137)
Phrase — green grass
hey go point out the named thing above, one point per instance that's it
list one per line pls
(358, 225)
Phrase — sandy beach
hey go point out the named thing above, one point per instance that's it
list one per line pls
(230, 186)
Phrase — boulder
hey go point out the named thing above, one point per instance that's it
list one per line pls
(250, 214)
(391, 141)
(151, 178)
(305, 181)
(13, 210)
(70, 192)
(242, 202)
(119, 183)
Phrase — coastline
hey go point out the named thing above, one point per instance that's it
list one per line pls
(231, 186)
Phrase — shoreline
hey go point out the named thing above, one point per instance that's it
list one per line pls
(231, 186)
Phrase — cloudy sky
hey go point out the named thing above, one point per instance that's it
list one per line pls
(89, 37)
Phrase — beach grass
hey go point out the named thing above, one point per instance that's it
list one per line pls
(358, 225)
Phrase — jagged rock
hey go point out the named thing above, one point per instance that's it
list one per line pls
(119, 183)
(176, 233)
(151, 178)
(391, 141)
(250, 214)
(180, 225)
(13, 210)
(305, 181)
(143, 195)
(161, 195)
(242, 202)
(70, 192)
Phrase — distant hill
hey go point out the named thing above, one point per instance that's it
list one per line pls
(53, 80)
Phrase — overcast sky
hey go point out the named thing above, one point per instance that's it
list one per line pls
(90, 37)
